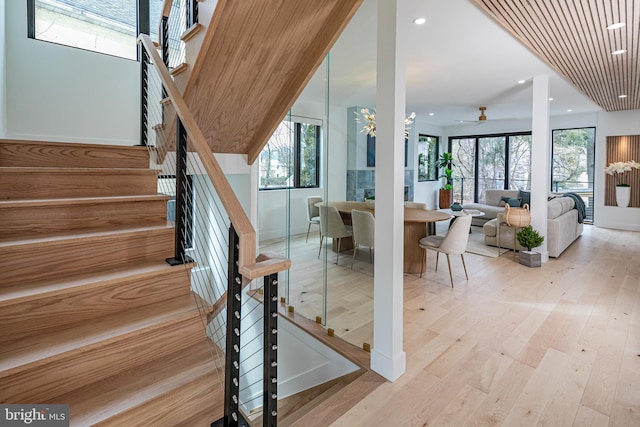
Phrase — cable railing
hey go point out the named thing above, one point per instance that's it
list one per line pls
(216, 242)
(176, 24)
(584, 189)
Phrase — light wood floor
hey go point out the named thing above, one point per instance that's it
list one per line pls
(556, 346)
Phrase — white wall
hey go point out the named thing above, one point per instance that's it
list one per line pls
(612, 124)
(56, 92)
(3, 63)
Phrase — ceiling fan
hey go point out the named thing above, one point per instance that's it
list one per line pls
(481, 119)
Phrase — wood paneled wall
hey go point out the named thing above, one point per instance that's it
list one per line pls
(623, 149)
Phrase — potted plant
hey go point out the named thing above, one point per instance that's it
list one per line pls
(445, 162)
(530, 238)
(623, 190)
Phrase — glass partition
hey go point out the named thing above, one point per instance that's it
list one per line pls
(309, 157)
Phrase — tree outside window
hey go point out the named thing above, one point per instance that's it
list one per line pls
(501, 161)
(427, 157)
(573, 161)
(291, 157)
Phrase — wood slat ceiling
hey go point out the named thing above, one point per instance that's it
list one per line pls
(572, 37)
(256, 58)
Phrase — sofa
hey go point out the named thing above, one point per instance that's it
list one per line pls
(563, 227)
(492, 206)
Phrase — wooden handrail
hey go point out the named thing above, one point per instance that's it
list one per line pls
(166, 11)
(249, 266)
(166, 8)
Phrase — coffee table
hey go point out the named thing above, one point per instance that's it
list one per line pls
(455, 214)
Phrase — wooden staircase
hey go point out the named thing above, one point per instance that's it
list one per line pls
(90, 313)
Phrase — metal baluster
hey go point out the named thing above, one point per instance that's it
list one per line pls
(270, 360)
(232, 416)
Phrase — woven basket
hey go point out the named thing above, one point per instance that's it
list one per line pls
(517, 217)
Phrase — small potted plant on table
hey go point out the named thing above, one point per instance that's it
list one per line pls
(530, 238)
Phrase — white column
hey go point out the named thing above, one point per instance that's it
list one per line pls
(540, 159)
(387, 357)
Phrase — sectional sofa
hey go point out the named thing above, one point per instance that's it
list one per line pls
(563, 228)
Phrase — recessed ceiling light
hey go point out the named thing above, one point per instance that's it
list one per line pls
(550, 99)
(618, 52)
(521, 81)
(622, 96)
(569, 110)
(616, 26)
(431, 114)
(419, 21)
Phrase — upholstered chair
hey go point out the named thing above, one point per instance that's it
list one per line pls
(313, 213)
(331, 225)
(415, 205)
(453, 243)
(363, 224)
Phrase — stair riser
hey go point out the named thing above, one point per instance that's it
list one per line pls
(27, 221)
(49, 311)
(52, 154)
(44, 380)
(43, 184)
(23, 263)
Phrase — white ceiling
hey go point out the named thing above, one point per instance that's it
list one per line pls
(458, 61)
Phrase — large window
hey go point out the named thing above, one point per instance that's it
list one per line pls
(573, 163)
(490, 162)
(97, 25)
(291, 158)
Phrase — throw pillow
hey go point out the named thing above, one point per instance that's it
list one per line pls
(502, 203)
(525, 196)
(504, 199)
(515, 202)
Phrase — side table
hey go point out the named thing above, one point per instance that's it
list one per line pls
(515, 231)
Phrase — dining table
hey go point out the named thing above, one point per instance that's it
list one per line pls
(417, 224)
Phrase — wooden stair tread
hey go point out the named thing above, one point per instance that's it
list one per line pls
(73, 145)
(339, 403)
(90, 279)
(103, 233)
(294, 407)
(80, 200)
(39, 350)
(71, 170)
(48, 153)
(121, 393)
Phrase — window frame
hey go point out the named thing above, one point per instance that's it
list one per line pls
(436, 149)
(591, 206)
(142, 25)
(506, 136)
(297, 122)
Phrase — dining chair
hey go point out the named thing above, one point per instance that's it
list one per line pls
(415, 205)
(363, 224)
(453, 243)
(331, 225)
(313, 213)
